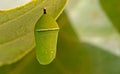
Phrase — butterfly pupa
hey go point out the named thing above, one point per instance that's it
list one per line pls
(46, 35)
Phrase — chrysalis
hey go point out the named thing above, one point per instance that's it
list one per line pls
(46, 34)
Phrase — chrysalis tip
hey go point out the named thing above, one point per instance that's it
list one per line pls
(45, 11)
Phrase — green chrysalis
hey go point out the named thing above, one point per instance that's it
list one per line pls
(46, 34)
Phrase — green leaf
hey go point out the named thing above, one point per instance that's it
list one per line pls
(112, 10)
(17, 28)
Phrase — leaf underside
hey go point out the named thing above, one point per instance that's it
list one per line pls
(17, 28)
